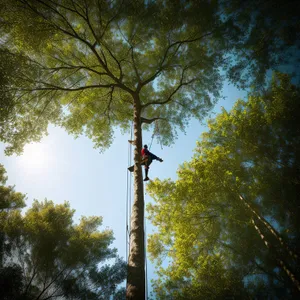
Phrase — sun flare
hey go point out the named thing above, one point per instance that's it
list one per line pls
(35, 156)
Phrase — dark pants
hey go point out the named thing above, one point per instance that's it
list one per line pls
(149, 160)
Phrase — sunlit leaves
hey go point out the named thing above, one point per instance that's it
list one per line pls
(96, 55)
(166, 53)
(52, 255)
(202, 222)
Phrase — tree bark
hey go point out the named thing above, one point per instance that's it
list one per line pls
(136, 261)
(280, 262)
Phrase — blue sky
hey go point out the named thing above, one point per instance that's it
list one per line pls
(62, 168)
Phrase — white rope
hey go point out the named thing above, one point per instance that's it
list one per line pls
(128, 198)
(146, 271)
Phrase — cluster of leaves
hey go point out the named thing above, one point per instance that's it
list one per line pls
(44, 255)
(84, 64)
(230, 224)
(270, 39)
(92, 57)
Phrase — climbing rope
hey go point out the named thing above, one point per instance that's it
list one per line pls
(146, 271)
(128, 197)
(159, 137)
(153, 134)
(156, 132)
(152, 137)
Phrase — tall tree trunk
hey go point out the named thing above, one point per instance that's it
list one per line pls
(136, 261)
(280, 262)
(272, 230)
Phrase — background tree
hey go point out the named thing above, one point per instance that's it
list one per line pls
(270, 40)
(46, 256)
(90, 66)
(10, 275)
(230, 201)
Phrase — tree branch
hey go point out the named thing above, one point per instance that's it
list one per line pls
(56, 69)
(149, 121)
(58, 286)
(108, 108)
(132, 55)
(75, 35)
(97, 39)
(58, 88)
(52, 281)
(170, 96)
(30, 281)
(178, 44)
(135, 68)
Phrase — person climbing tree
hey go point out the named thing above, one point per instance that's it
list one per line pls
(147, 158)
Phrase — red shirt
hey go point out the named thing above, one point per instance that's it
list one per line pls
(145, 152)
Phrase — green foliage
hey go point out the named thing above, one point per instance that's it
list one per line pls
(270, 41)
(86, 64)
(9, 199)
(10, 204)
(45, 255)
(249, 152)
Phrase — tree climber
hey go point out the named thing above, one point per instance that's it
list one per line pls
(147, 158)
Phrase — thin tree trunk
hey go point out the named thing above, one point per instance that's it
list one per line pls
(279, 260)
(270, 228)
(273, 275)
(136, 267)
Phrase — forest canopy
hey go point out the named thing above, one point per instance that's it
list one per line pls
(230, 223)
(45, 255)
(91, 66)
(83, 64)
